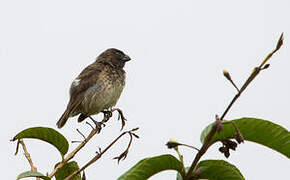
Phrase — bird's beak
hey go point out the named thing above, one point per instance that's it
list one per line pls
(126, 58)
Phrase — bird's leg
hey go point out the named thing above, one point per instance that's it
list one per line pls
(98, 124)
(120, 116)
(107, 115)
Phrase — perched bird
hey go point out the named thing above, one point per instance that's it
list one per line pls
(98, 87)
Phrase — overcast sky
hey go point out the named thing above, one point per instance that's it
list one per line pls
(174, 84)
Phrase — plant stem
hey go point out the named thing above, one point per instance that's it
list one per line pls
(27, 155)
(83, 143)
(99, 155)
(207, 142)
(73, 153)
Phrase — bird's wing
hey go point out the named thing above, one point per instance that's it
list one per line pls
(87, 79)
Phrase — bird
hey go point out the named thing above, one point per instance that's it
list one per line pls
(98, 87)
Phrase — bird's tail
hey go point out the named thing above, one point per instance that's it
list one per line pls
(72, 105)
(61, 122)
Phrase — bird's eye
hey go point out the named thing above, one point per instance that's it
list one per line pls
(119, 54)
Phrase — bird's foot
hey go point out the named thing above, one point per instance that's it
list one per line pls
(98, 125)
(120, 116)
(107, 115)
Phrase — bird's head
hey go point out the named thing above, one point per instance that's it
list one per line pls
(114, 57)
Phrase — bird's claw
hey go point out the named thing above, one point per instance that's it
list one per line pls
(98, 125)
(107, 115)
(121, 116)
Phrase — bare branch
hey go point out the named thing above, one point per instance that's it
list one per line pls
(17, 147)
(80, 146)
(27, 155)
(172, 144)
(207, 142)
(228, 76)
(123, 155)
(73, 153)
(239, 136)
(90, 125)
(99, 155)
(81, 133)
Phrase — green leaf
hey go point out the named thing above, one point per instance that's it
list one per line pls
(32, 174)
(45, 134)
(150, 166)
(215, 170)
(67, 170)
(218, 170)
(256, 130)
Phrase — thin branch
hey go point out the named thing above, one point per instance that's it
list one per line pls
(182, 162)
(255, 72)
(239, 136)
(17, 147)
(203, 149)
(81, 133)
(234, 85)
(90, 125)
(73, 153)
(99, 155)
(125, 153)
(27, 155)
(174, 144)
(192, 147)
(93, 132)
(228, 76)
(207, 142)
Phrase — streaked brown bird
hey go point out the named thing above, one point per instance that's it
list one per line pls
(98, 87)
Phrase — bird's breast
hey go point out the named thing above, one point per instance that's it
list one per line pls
(104, 93)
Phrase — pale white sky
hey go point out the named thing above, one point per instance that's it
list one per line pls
(174, 82)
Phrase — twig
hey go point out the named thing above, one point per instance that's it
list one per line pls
(228, 76)
(76, 150)
(90, 125)
(81, 133)
(192, 147)
(99, 155)
(207, 141)
(202, 150)
(93, 132)
(172, 144)
(125, 153)
(17, 147)
(27, 155)
(255, 72)
(73, 153)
